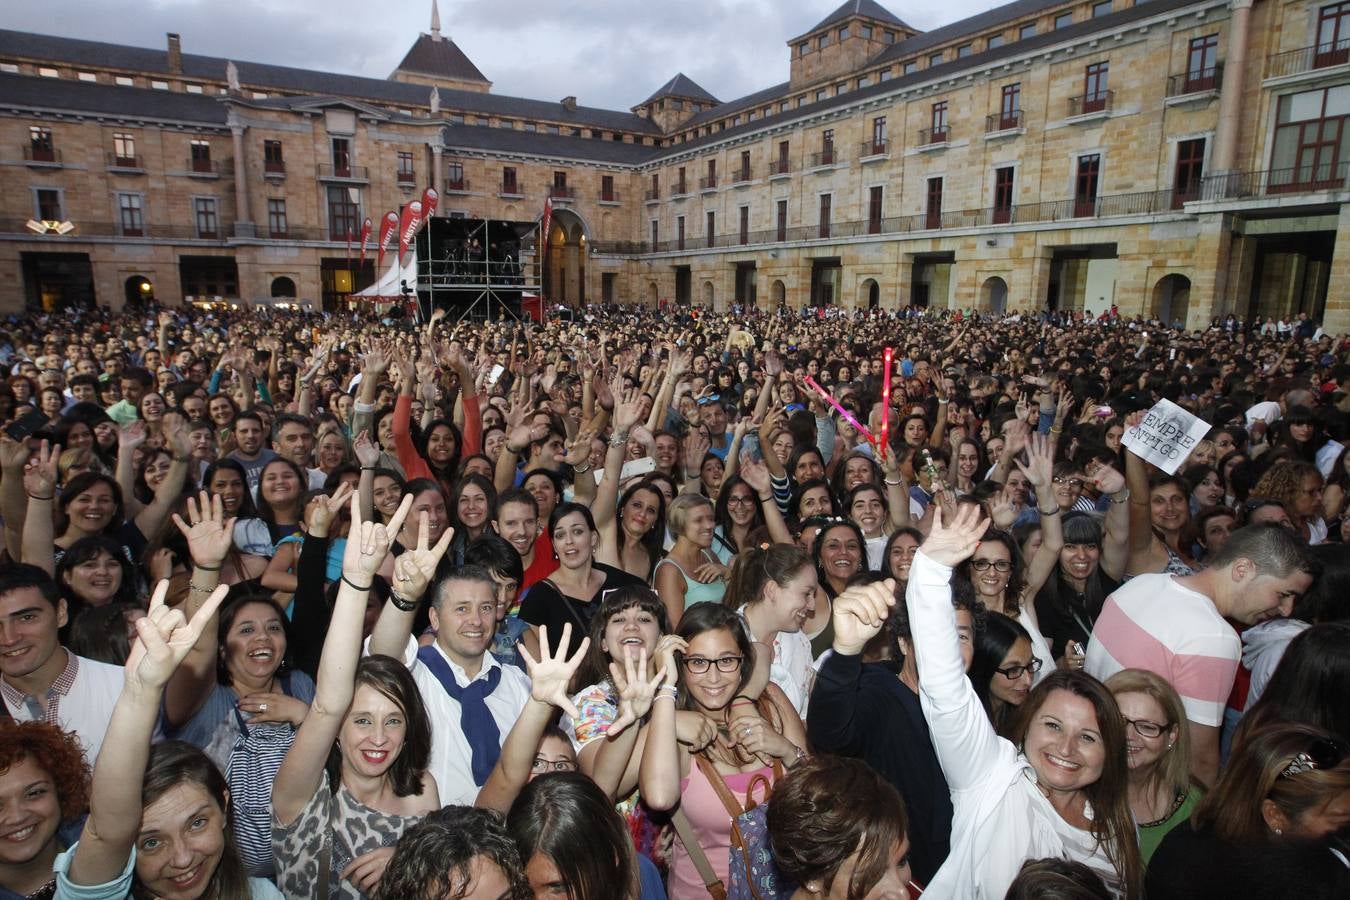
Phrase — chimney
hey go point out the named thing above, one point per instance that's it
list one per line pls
(569, 103)
(175, 54)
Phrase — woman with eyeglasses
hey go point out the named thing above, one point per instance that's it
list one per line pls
(706, 672)
(1269, 827)
(1158, 747)
(1004, 669)
(1298, 485)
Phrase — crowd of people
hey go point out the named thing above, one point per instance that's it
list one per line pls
(304, 606)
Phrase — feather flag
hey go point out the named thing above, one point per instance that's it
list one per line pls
(388, 225)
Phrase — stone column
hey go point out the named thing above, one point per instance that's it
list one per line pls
(1224, 157)
(437, 170)
(243, 222)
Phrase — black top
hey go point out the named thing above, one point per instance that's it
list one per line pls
(1074, 623)
(544, 604)
(1191, 865)
(866, 712)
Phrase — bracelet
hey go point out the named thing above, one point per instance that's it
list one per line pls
(800, 757)
(199, 590)
(664, 696)
(1112, 498)
(198, 565)
(514, 451)
(670, 689)
(402, 604)
(352, 584)
(896, 483)
(746, 697)
(582, 468)
(1053, 512)
(766, 499)
(618, 440)
(36, 497)
(369, 468)
(1055, 429)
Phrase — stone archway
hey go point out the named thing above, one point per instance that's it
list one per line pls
(139, 290)
(779, 292)
(869, 294)
(1171, 298)
(283, 288)
(565, 273)
(994, 295)
(709, 294)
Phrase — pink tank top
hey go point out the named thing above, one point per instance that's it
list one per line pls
(711, 823)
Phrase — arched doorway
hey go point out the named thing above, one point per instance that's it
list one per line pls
(1171, 298)
(653, 294)
(565, 273)
(283, 288)
(139, 291)
(994, 296)
(869, 293)
(708, 294)
(779, 294)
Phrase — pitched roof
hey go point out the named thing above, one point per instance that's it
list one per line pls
(748, 102)
(29, 92)
(868, 9)
(681, 86)
(440, 57)
(530, 143)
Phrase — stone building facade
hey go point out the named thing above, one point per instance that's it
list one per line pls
(1181, 158)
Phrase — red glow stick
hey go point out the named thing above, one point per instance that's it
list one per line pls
(848, 416)
(886, 358)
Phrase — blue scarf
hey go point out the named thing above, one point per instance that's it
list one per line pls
(475, 719)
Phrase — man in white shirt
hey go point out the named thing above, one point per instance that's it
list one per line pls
(471, 699)
(39, 679)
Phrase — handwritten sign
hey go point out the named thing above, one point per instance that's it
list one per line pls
(1166, 436)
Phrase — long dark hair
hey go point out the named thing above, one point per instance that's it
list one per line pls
(265, 510)
(992, 644)
(247, 509)
(174, 763)
(1017, 576)
(815, 550)
(391, 678)
(722, 514)
(230, 611)
(446, 472)
(655, 538)
(704, 617)
(1058, 595)
(568, 819)
(1112, 822)
(755, 568)
(1308, 686)
(595, 667)
(78, 485)
(85, 550)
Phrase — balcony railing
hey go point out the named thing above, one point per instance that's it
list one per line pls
(743, 175)
(680, 189)
(1197, 82)
(203, 165)
(456, 185)
(561, 192)
(1003, 121)
(930, 136)
(48, 155)
(610, 196)
(348, 172)
(405, 178)
(652, 194)
(708, 183)
(510, 189)
(160, 231)
(826, 157)
(1302, 179)
(125, 163)
(874, 148)
(780, 167)
(1090, 103)
(1306, 59)
(274, 167)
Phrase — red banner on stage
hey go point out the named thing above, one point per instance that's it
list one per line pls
(388, 226)
(407, 227)
(430, 200)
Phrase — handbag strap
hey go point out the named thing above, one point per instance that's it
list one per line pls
(716, 889)
(719, 784)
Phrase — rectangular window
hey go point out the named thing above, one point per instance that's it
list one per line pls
(878, 135)
(405, 171)
(276, 218)
(1309, 134)
(745, 225)
(41, 148)
(712, 174)
(1086, 185)
(823, 41)
(344, 213)
(342, 157)
(46, 72)
(710, 228)
(1095, 93)
(49, 205)
(822, 94)
(803, 48)
(825, 201)
(1101, 9)
(890, 37)
(205, 210)
(679, 232)
(87, 76)
(681, 183)
(1003, 195)
(827, 147)
(164, 86)
(843, 33)
(454, 176)
(745, 165)
(273, 159)
(1202, 64)
(1190, 169)
(782, 157)
(910, 67)
(1026, 31)
(130, 215)
(934, 206)
(509, 180)
(193, 88)
(1063, 20)
(1333, 35)
(874, 196)
(124, 149)
(655, 191)
(887, 74)
(200, 156)
(654, 234)
(934, 60)
(781, 233)
(964, 50)
(1010, 107)
(994, 42)
(607, 188)
(865, 31)
(123, 81)
(938, 123)
(864, 81)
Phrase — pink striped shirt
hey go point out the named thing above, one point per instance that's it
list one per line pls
(1153, 623)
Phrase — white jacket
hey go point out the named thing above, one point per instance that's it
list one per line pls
(1001, 818)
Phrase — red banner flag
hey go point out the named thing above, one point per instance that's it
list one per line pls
(388, 225)
(366, 227)
(407, 227)
(544, 225)
(430, 199)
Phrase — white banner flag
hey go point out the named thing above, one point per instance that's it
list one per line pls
(1166, 436)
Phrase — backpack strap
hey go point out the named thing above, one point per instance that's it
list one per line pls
(716, 889)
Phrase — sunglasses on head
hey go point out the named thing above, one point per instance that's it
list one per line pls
(1322, 754)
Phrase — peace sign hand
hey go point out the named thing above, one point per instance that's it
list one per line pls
(165, 638)
(551, 674)
(323, 512)
(415, 567)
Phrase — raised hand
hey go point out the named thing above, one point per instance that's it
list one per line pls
(209, 534)
(40, 474)
(755, 474)
(580, 449)
(1108, 480)
(953, 544)
(367, 454)
(1002, 509)
(551, 674)
(696, 446)
(13, 454)
(415, 567)
(1040, 465)
(626, 412)
(132, 435)
(376, 362)
(636, 690)
(368, 542)
(176, 437)
(165, 638)
(859, 614)
(773, 364)
(325, 511)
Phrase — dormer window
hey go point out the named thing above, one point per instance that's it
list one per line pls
(865, 31)
(823, 41)
(843, 33)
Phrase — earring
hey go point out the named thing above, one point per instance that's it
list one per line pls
(1278, 831)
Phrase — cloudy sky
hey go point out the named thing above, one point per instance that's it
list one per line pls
(609, 53)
